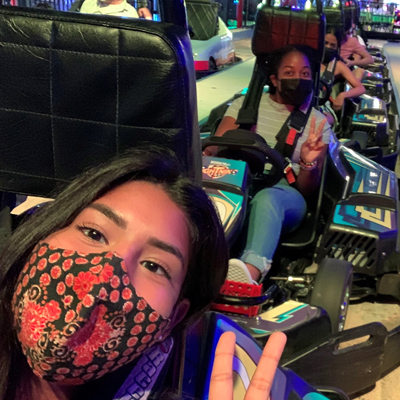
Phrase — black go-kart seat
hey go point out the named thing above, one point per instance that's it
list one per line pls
(78, 89)
(277, 27)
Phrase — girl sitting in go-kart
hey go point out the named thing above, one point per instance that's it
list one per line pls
(280, 209)
(354, 54)
(331, 62)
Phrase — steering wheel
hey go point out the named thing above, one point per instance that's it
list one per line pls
(325, 90)
(241, 144)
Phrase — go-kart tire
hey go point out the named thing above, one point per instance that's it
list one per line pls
(332, 290)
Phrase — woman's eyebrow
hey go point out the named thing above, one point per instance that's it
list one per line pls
(110, 214)
(169, 248)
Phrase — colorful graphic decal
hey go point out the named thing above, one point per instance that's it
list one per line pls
(283, 317)
(232, 172)
(370, 178)
(227, 204)
(218, 171)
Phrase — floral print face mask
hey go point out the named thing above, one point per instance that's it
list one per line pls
(78, 317)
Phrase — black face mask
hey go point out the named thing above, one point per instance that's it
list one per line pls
(329, 55)
(294, 92)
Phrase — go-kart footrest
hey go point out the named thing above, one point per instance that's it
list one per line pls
(239, 289)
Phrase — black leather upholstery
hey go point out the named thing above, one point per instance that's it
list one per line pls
(334, 17)
(275, 28)
(78, 89)
(280, 26)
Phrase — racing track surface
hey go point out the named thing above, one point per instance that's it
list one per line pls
(219, 87)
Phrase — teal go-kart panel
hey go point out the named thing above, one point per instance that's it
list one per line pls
(231, 172)
(372, 179)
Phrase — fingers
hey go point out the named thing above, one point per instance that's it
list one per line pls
(261, 383)
(315, 135)
(221, 385)
(321, 128)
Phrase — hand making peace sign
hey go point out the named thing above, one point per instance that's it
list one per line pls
(221, 386)
(313, 146)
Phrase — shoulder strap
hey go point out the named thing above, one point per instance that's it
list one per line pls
(291, 130)
(329, 73)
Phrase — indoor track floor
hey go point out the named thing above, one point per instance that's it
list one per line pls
(216, 89)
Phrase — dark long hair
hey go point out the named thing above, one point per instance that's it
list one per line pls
(338, 33)
(208, 259)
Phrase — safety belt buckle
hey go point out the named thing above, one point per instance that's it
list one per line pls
(291, 136)
(288, 171)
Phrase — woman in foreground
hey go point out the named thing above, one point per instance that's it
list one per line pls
(124, 255)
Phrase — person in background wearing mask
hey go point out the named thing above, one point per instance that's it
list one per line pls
(354, 54)
(280, 209)
(331, 65)
(119, 8)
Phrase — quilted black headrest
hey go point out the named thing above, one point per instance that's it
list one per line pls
(78, 89)
(334, 17)
(277, 27)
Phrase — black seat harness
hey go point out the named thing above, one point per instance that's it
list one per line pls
(288, 137)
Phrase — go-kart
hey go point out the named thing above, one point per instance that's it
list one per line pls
(212, 41)
(73, 136)
(354, 220)
(78, 136)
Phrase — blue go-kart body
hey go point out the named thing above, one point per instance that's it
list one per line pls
(360, 224)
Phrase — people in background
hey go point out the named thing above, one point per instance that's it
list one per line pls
(336, 68)
(119, 8)
(354, 54)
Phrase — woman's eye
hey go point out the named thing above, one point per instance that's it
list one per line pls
(93, 234)
(155, 268)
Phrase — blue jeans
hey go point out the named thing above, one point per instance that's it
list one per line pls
(275, 210)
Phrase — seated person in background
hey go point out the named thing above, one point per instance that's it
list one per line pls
(120, 8)
(281, 208)
(332, 40)
(354, 54)
(127, 253)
